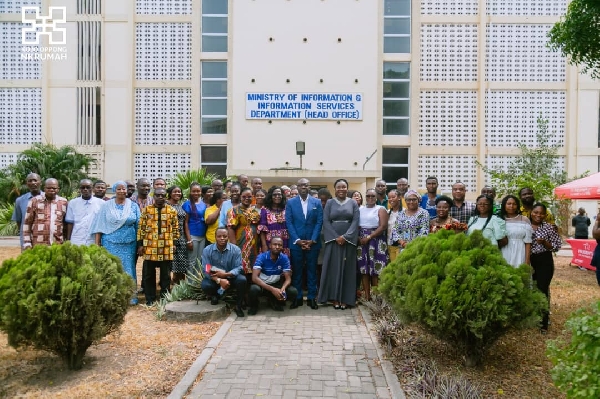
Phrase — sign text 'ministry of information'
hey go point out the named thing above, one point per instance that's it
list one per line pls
(315, 106)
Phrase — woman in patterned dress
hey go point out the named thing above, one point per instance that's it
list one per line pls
(443, 220)
(115, 227)
(242, 225)
(411, 222)
(272, 220)
(372, 254)
(180, 258)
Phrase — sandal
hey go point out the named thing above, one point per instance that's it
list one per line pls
(336, 306)
(342, 307)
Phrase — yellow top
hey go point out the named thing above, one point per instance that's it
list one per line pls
(211, 229)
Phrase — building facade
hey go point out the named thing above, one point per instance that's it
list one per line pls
(154, 87)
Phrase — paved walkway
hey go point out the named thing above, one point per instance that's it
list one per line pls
(301, 353)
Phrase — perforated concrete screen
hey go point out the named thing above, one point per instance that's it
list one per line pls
(7, 158)
(160, 165)
(501, 162)
(163, 51)
(511, 116)
(163, 116)
(97, 167)
(11, 64)
(449, 7)
(518, 53)
(448, 117)
(20, 116)
(529, 7)
(449, 52)
(448, 169)
(163, 7)
(14, 6)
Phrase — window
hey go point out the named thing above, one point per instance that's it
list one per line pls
(214, 97)
(394, 164)
(396, 26)
(396, 98)
(214, 26)
(214, 159)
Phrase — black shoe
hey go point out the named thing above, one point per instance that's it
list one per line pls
(149, 303)
(214, 300)
(312, 303)
(252, 311)
(276, 307)
(239, 312)
(297, 303)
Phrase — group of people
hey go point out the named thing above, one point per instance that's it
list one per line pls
(264, 241)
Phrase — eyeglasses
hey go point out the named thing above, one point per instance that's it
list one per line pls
(411, 200)
(85, 187)
(370, 196)
(159, 196)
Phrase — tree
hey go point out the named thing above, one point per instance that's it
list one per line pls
(576, 35)
(185, 179)
(63, 298)
(64, 164)
(460, 288)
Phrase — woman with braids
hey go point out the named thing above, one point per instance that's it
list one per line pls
(443, 220)
(272, 220)
(242, 227)
(545, 241)
(194, 219)
(492, 227)
(518, 231)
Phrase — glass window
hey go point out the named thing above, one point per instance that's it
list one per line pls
(397, 7)
(214, 69)
(394, 164)
(214, 159)
(396, 26)
(214, 44)
(214, 26)
(396, 98)
(213, 106)
(214, 7)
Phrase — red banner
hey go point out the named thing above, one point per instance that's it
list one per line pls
(583, 250)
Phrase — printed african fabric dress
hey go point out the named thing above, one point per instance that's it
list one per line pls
(245, 224)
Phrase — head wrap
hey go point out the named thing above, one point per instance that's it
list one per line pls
(412, 192)
(117, 184)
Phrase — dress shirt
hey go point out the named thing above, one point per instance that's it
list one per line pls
(229, 260)
(81, 214)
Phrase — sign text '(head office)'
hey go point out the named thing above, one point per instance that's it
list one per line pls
(309, 106)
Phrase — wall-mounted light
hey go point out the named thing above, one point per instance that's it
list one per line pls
(339, 122)
(305, 40)
(271, 39)
(251, 162)
(270, 122)
(339, 39)
(253, 80)
(287, 81)
(321, 163)
(355, 80)
(355, 163)
(321, 80)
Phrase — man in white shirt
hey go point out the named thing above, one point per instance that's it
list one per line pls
(80, 214)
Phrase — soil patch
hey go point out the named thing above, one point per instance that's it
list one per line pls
(145, 358)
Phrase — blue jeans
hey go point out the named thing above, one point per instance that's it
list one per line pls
(300, 260)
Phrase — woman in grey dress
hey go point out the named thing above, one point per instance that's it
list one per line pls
(340, 230)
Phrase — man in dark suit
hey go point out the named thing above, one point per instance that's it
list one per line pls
(304, 219)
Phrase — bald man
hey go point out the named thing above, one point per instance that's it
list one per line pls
(44, 220)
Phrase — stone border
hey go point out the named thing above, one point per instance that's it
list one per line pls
(183, 386)
(387, 366)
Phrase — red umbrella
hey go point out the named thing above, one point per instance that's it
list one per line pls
(584, 188)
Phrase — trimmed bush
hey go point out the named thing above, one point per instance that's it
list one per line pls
(461, 289)
(62, 299)
(577, 364)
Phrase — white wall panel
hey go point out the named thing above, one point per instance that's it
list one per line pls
(448, 117)
(163, 7)
(20, 116)
(7, 158)
(448, 169)
(449, 52)
(163, 51)
(152, 166)
(449, 7)
(11, 64)
(511, 116)
(529, 7)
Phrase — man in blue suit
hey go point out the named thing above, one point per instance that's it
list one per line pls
(304, 219)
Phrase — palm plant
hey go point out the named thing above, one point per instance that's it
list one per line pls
(7, 226)
(185, 179)
(64, 164)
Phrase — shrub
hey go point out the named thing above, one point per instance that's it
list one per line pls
(62, 299)
(461, 289)
(577, 364)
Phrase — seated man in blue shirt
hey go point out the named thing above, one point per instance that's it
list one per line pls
(272, 274)
(225, 262)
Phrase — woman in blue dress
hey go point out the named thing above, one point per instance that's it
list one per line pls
(115, 227)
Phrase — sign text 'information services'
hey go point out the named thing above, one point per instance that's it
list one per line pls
(315, 106)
